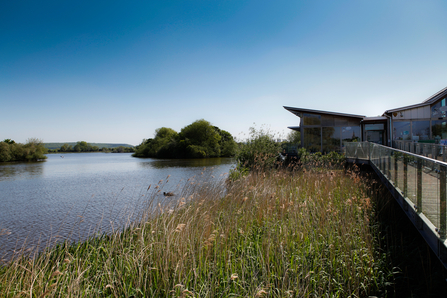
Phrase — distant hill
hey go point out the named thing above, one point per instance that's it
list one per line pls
(99, 145)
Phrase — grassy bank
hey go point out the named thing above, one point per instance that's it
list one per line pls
(278, 234)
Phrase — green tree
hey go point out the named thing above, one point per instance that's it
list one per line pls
(198, 140)
(9, 141)
(228, 145)
(32, 150)
(5, 152)
(157, 146)
(201, 139)
(64, 148)
(294, 137)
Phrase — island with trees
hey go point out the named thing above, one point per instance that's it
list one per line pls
(83, 146)
(32, 150)
(200, 139)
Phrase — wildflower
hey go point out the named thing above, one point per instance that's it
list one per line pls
(234, 276)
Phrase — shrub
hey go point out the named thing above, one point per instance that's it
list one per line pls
(31, 151)
(261, 151)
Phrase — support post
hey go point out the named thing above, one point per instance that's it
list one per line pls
(388, 159)
(395, 168)
(419, 186)
(405, 176)
(442, 201)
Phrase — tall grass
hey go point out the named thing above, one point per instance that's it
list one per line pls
(281, 233)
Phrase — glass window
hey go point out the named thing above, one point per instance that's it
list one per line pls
(377, 126)
(353, 122)
(327, 120)
(439, 109)
(439, 129)
(331, 139)
(401, 130)
(420, 130)
(311, 119)
(350, 134)
(341, 121)
(312, 139)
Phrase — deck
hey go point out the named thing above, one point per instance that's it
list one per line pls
(417, 182)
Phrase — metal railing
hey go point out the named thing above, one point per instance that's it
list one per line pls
(435, 151)
(419, 180)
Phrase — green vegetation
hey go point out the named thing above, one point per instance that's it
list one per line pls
(53, 146)
(83, 146)
(197, 140)
(278, 233)
(33, 150)
(260, 151)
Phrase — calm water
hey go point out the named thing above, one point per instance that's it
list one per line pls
(68, 197)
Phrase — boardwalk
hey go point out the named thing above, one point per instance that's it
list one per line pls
(418, 183)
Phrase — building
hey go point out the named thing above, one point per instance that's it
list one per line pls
(327, 131)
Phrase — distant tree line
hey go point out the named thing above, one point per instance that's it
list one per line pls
(31, 151)
(83, 146)
(197, 140)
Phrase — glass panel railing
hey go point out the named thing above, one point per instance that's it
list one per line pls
(420, 178)
(434, 151)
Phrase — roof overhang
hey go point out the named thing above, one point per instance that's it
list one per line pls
(437, 96)
(375, 119)
(431, 100)
(298, 111)
(419, 105)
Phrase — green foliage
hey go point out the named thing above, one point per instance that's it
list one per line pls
(68, 146)
(31, 151)
(83, 146)
(319, 160)
(261, 151)
(197, 140)
(294, 137)
(9, 141)
(273, 234)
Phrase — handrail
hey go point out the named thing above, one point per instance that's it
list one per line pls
(435, 151)
(420, 180)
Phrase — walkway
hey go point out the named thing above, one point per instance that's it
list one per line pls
(418, 183)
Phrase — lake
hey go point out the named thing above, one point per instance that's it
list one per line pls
(71, 196)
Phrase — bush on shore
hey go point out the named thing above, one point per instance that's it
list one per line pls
(198, 140)
(33, 150)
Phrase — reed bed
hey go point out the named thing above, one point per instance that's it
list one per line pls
(280, 233)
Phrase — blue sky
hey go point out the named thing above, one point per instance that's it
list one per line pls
(114, 71)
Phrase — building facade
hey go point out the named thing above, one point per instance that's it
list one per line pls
(327, 131)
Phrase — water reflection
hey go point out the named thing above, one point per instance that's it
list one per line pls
(17, 170)
(186, 163)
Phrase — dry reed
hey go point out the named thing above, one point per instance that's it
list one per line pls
(281, 233)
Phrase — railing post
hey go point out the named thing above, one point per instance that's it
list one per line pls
(419, 185)
(405, 175)
(442, 201)
(388, 153)
(395, 168)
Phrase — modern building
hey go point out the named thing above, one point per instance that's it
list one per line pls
(327, 131)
